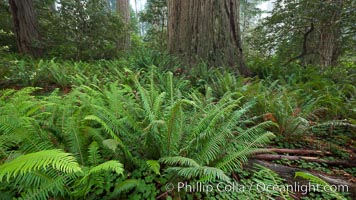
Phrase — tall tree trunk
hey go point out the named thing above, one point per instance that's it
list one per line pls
(206, 30)
(329, 33)
(53, 6)
(322, 45)
(25, 26)
(123, 8)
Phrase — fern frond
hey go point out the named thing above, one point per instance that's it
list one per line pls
(235, 159)
(111, 165)
(154, 166)
(74, 137)
(94, 156)
(178, 160)
(250, 134)
(266, 176)
(332, 126)
(57, 159)
(319, 181)
(146, 101)
(157, 104)
(123, 186)
(203, 173)
(205, 126)
(211, 147)
(54, 186)
(112, 134)
(175, 116)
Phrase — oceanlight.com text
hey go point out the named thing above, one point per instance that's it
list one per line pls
(200, 187)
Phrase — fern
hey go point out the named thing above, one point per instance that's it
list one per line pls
(204, 173)
(56, 159)
(239, 156)
(20, 122)
(178, 160)
(94, 156)
(125, 185)
(319, 181)
(332, 127)
(266, 176)
(154, 166)
(106, 166)
(53, 186)
(175, 119)
(113, 135)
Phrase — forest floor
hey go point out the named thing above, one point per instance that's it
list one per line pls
(325, 151)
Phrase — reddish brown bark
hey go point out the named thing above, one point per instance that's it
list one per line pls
(207, 30)
(123, 8)
(25, 26)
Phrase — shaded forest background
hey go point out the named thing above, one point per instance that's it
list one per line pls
(102, 100)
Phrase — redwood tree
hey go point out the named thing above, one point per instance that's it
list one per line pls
(123, 8)
(25, 26)
(207, 30)
(313, 32)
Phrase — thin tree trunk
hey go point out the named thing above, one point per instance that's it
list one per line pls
(207, 30)
(123, 8)
(25, 26)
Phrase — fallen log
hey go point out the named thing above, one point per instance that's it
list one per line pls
(295, 151)
(306, 158)
(288, 174)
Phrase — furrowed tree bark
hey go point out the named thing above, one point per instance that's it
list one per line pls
(207, 30)
(25, 26)
(325, 41)
(329, 33)
(123, 8)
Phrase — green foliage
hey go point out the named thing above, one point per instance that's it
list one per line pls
(155, 17)
(154, 166)
(317, 180)
(151, 116)
(51, 172)
(298, 30)
(7, 38)
(67, 126)
(83, 30)
(55, 159)
(164, 126)
(219, 143)
(265, 176)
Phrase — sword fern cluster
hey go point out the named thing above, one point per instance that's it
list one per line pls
(66, 145)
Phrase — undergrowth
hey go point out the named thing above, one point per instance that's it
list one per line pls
(128, 127)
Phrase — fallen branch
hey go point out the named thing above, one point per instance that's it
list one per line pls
(306, 158)
(305, 48)
(288, 174)
(295, 151)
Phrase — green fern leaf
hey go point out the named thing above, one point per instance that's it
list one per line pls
(56, 159)
(320, 181)
(111, 165)
(123, 186)
(154, 166)
(204, 173)
(178, 160)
